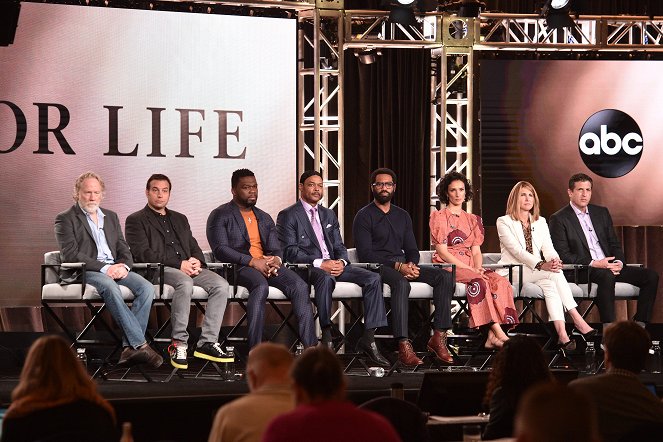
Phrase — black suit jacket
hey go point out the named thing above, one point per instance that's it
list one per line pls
(229, 239)
(300, 245)
(148, 242)
(569, 239)
(76, 242)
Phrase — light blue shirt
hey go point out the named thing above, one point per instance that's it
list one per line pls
(104, 253)
(588, 229)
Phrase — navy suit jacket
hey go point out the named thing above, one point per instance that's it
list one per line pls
(76, 242)
(570, 241)
(300, 245)
(229, 239)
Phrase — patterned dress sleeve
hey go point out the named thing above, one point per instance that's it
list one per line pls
(438, 228)
(477, 230)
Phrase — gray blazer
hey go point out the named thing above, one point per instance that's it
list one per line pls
(76, 242)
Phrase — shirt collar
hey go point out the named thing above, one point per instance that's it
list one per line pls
(577, 210)
(307, 206)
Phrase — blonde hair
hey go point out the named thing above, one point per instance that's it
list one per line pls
(83, 177)
(512, 208)
(52, 376)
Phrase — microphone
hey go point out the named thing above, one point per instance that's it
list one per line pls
(590, 229)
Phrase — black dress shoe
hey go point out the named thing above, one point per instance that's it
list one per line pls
(590, 335)
(370, 349)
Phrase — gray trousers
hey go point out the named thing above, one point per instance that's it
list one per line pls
(214, 285)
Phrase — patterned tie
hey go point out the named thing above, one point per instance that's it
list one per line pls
(317, 228)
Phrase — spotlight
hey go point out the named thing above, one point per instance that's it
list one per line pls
(367, 56)
(556, 14)
(402, 15)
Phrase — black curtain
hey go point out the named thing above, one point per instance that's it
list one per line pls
(387, 109)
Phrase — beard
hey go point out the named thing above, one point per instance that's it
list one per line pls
(90, 207)
(381, 197)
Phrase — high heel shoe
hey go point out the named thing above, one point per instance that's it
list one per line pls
(589, 336)
(569, 345)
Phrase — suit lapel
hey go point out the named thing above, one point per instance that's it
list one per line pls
(239, 219)
(305, 221)
(152, 220)
(83, 219)
(597, 222)
(517, 229)
(324, 221)
(573, 218)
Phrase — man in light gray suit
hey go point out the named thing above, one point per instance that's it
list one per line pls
(94, 237)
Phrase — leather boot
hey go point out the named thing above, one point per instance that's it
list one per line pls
(438, 345)
(406, 354)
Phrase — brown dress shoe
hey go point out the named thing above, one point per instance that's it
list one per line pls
(438, 345)
(406, 354)
(132, 356)
(153, 359)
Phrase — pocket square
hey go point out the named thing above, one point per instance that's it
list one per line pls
(328, 226)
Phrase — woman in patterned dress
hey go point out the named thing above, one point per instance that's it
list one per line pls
(457, 237)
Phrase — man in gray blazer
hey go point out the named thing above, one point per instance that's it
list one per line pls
(242, 234)
(158, 234)
(310, 234)
(623, 403)
(89, 235)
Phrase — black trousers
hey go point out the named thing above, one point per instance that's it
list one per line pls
(443, 288)
(642, 277)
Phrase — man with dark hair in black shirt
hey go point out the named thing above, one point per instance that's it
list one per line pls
(383, 234)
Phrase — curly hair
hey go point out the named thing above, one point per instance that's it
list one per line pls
(517, 366)
(446, 180)
(79, 183)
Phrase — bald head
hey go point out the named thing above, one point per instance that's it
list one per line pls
(268, 363)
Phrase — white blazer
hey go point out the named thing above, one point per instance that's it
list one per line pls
(512, 242)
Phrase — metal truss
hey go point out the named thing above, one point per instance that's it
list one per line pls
(528, 31)
(320, 100)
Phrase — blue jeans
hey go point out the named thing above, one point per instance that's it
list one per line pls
(132, 322)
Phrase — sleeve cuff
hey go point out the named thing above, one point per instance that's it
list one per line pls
(317, 262)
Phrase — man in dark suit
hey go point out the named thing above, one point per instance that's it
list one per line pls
(583, 233)
(158, 234)
(240, 233)
(89, 235)
(310, 234)
(622, 402)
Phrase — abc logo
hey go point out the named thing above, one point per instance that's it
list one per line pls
(610, 143)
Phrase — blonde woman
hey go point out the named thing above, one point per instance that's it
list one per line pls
(525, 238)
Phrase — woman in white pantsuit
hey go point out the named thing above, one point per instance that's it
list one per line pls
(524, 238)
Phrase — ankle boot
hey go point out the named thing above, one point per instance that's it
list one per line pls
(406, 354)
(438, 345)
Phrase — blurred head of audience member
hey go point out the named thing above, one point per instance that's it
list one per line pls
(52, 376)
(268, 364)
(517, 366)
(553, 412)
(318, 376)
(626, 345)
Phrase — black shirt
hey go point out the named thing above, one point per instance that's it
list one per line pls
(174, 252)
(384, 238)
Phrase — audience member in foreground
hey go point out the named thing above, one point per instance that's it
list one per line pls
(457, 237)
(383, 234)
(268, 376)
(555, 413)
(55, 399)
(525, 238)
(322, 413)
(583, 234)
(88, 234)
(242, 234)
(159, 234)
(623, 403)
(310, 234)
(519, 365)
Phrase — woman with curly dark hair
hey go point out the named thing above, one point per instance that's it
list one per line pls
(519, 365)
(457, 237)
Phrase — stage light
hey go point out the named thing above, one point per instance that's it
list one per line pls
(402, 15)
(557, 14)
(367, 56)
(405, 2)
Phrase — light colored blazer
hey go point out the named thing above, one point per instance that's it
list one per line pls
(512, 242)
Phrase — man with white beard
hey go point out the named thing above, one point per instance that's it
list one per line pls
(87, 234)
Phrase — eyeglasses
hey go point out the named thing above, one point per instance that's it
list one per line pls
(387, 185)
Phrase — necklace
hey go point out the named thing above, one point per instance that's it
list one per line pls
(449, 219)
